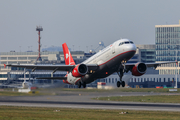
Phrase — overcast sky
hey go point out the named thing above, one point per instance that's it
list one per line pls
(82, 23)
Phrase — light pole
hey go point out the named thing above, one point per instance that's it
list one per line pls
(176, 68)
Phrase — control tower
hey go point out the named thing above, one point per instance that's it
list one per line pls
(39, 29)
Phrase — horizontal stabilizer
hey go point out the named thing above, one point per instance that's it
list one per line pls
(56, 78)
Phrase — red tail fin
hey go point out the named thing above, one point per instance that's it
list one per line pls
(4, 65)
(67, 55)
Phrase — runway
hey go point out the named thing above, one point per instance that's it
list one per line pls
(83, 100)
(96, 105)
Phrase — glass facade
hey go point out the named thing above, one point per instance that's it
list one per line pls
(167, 38)
(148, 55)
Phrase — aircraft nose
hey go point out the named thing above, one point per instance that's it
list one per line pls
(131, 47)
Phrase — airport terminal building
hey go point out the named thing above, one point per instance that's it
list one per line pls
(167, 40)
(30, 57)
(7, 75)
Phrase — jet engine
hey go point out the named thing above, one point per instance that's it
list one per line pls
(80, 70)
(139, 69)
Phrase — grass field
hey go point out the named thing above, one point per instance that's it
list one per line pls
(152, 99)
(163, 90)
(55, 91)
(33, 113)
(157, 90)
(16, 93)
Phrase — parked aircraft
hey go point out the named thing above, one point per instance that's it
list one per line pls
(111, 59)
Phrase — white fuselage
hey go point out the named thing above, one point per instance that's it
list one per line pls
(109, 55)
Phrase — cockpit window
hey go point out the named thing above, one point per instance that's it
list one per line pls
(131, 42)
(120, 44)
(126, 42)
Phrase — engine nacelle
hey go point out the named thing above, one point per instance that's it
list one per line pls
(80, 70)
(139, 69)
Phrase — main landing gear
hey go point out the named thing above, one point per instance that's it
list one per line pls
(120, 83)
(120, 72)
(83, 84)
(79, 84)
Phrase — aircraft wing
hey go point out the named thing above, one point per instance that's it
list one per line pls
(57, 78)
(150, 64)
(51, 67)
(44, 67)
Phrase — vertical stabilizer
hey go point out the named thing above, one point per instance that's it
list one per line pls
(67, 55)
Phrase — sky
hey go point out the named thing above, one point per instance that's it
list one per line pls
(82, 24)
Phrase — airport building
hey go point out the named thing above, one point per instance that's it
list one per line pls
(167, 40)
(147, 53)
(31, 58)
(148, 80)
(7, 75)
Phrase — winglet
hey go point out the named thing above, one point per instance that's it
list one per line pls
(67, 55)
(4, 65)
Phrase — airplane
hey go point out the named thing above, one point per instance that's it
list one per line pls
(111, 59)
(26, 85)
